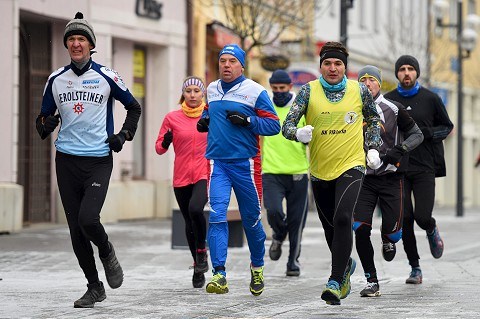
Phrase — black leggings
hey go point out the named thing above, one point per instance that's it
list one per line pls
(83, 183)
(422, 186)
(387, 191)
(335, 201)
(191, 200)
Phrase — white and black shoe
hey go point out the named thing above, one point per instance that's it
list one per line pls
(388, 250)
(372, 289)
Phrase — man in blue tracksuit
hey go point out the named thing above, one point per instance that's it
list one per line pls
(238, 111)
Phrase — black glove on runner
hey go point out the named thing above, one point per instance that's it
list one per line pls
(427, 132)
(202, 124)
(394, 155)
(116, 141)
(237, 118)
(167, 139)
(50, 123)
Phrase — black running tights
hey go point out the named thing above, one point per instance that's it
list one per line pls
(335, 201)
(191, 200)
(83, 183)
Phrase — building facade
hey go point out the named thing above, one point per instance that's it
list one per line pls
(444, 77)
(145, 41)
(378, 32)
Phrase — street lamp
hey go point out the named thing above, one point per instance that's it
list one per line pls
(466, 41)
(344, 6)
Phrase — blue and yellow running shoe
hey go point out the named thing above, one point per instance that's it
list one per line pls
(345, 286)
(331, 293)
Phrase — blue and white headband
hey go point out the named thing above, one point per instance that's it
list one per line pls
(193, 81)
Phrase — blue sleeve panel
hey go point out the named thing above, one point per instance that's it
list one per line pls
(266, 122)
(48, 102)
(118, 92)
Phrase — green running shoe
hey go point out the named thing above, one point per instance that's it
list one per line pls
(345, 285)
(256, 283)
(218, 284)
(331, 293)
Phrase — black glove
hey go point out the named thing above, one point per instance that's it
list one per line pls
(238, 118)
(394, 155)
(50, 123)
(427, 132)
(116, 141)
(46, 125)
(202, 124)
(167, 139)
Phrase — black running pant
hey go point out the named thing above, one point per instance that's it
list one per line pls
(387, 190)
(335, 201)
(83, 183)
(422, 186)
(191, 200)
(294, 189)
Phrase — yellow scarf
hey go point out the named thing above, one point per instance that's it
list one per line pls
(192, 111)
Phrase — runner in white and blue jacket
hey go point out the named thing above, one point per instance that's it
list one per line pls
(83, 94)
(238, 111)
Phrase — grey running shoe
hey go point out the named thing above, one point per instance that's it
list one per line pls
(293, 272)
(436, 243)
(275, 250)
(372, 289)
(388, 250)
(113, 270)
(415, 276)
(95, 293)
(198, 280)
(201, 261)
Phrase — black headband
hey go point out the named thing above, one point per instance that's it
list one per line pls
(336, 54)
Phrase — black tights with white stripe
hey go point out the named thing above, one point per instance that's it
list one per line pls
(335, 201)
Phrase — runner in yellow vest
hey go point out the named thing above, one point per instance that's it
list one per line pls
(335, 109)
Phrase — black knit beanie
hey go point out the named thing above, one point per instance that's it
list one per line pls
(79, 26)
(280, 77)
(409, 60)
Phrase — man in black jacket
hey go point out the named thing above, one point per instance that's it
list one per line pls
(425, 162)
(384, 185)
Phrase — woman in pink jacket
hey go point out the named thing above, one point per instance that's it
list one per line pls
(190, 170)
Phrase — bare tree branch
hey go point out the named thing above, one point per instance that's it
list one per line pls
(262, 22)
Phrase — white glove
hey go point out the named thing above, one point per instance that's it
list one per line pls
(304, 134)
(373, 159)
